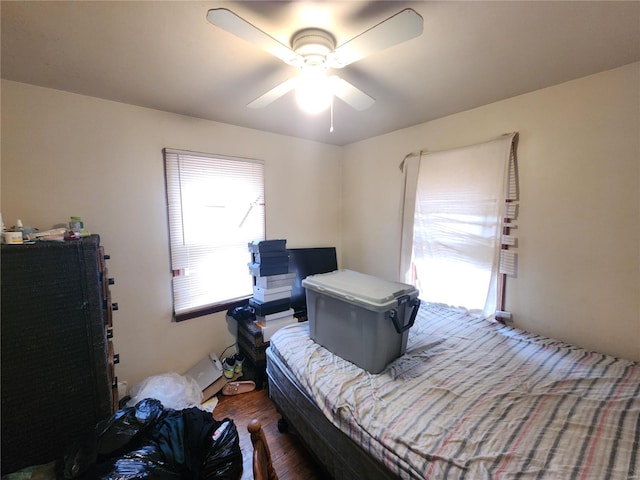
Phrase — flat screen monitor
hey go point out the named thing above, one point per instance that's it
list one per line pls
(304, 262)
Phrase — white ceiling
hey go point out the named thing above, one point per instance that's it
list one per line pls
(165, 55)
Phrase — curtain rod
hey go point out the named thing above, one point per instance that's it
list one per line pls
(409, 155)
(421, 152)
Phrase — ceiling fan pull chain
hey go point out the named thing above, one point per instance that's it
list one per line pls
(331, 106)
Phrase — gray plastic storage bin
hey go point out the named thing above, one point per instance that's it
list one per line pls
(361, 318)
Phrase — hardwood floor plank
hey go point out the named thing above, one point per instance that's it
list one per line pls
(290, 459)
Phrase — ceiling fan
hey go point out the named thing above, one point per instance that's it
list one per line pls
(314, 51)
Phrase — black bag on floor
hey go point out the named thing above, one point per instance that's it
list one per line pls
(151, 442)
(224, 458)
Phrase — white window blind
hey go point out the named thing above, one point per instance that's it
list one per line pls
(508, 254)
(215, 207)
(455, 211)
(508, 257)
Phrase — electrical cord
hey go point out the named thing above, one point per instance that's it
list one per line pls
(223, 352)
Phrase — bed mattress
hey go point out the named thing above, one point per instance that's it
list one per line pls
(474, 399)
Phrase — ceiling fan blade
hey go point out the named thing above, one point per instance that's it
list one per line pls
(274, 94)
(232, 23)
(351, 95)
(399, 28)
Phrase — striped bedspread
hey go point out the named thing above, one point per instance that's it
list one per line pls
(477, 400)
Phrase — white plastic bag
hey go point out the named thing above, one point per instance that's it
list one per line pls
(173, 390)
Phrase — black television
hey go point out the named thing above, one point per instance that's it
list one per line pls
(304, 262)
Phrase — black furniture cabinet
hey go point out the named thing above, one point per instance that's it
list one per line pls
(57, 361)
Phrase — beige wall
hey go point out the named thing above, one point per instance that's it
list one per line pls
(579, 228)
(66, 154)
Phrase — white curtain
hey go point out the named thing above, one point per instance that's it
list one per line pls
(453, 222)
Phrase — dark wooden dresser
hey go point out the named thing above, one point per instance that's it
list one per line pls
(57, 361)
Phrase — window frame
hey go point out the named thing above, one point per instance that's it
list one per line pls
(173, 180)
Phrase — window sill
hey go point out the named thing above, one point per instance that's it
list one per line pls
(209, 309)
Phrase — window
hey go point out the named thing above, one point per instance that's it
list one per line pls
(453, 244)
(216, 207)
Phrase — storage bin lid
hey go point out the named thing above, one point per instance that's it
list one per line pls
(367, 291)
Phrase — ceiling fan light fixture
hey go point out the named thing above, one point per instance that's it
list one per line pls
(314, 91)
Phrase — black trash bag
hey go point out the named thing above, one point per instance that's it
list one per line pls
(127, 428)
(79, 458)
(223, 461)
(146, 462)
(198, 446)
(123, 432)
(169, 437)
(151, 442)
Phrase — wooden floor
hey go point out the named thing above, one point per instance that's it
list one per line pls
(290, 459)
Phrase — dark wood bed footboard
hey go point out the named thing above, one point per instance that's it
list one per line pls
(342, 458)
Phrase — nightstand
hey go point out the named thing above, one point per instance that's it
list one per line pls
(251, 344)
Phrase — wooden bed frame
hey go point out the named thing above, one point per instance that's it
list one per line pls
(342, 458)
(261, 462)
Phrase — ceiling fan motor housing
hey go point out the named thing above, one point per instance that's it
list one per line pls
(313, 45)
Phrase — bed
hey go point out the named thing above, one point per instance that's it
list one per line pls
(470, 399)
